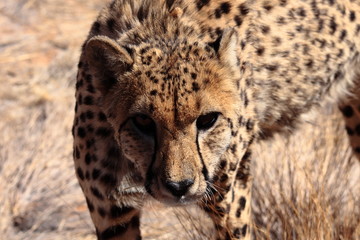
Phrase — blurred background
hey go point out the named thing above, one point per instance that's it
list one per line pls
(306, 186)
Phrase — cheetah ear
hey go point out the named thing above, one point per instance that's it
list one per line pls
(228, 47)
(107, 61)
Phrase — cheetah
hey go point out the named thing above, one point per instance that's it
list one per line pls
(172, 94)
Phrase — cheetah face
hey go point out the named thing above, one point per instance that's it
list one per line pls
(176, 161)
(171, 110)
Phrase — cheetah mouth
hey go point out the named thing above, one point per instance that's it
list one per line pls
(159, 193)
(178, 201)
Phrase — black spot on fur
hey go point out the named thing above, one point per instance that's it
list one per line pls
(225, 7)
(267, 7)
(276, 41)
(333, 26)
(242, 203)
(90, 205)
(301, 12)
(260, 51)
(195, 87)
(342, 35)
(87, 158)
(101, 211)
(77, 153)
(337, 75)
(88, 100)
(238, 212)
(116, 212)
(320, 26)
(218, 13)
(299, 28)
(193, 76)
(81, 132)
(243, 9)
(352, 16)
(271, 68)
(80, 173)
(96, 193)
(110, 24)
(224, 177)
(96, 173)
(201, 3)
(249, 125)
(265, 29)
(244, 230)
(113, 231)
(238, 20)
(309, 63)
(223, 164)
(281, 21)
(341, 53)
(101, 117)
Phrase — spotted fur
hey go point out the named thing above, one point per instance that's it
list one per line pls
(171, 95)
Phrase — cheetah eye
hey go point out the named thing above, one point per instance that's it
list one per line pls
(144, 124)
(204, 122)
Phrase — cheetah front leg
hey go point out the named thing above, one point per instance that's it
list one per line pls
(229, 206)
(117, 223)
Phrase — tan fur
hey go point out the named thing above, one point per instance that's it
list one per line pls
(152, 74)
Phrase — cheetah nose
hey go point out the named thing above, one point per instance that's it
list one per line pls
(179, 189)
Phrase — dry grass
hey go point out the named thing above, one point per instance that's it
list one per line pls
(306, 186)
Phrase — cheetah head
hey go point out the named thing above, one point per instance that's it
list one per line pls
(171, 105)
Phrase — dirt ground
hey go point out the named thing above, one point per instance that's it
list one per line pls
(306, 186)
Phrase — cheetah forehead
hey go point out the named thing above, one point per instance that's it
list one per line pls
(179, 84)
